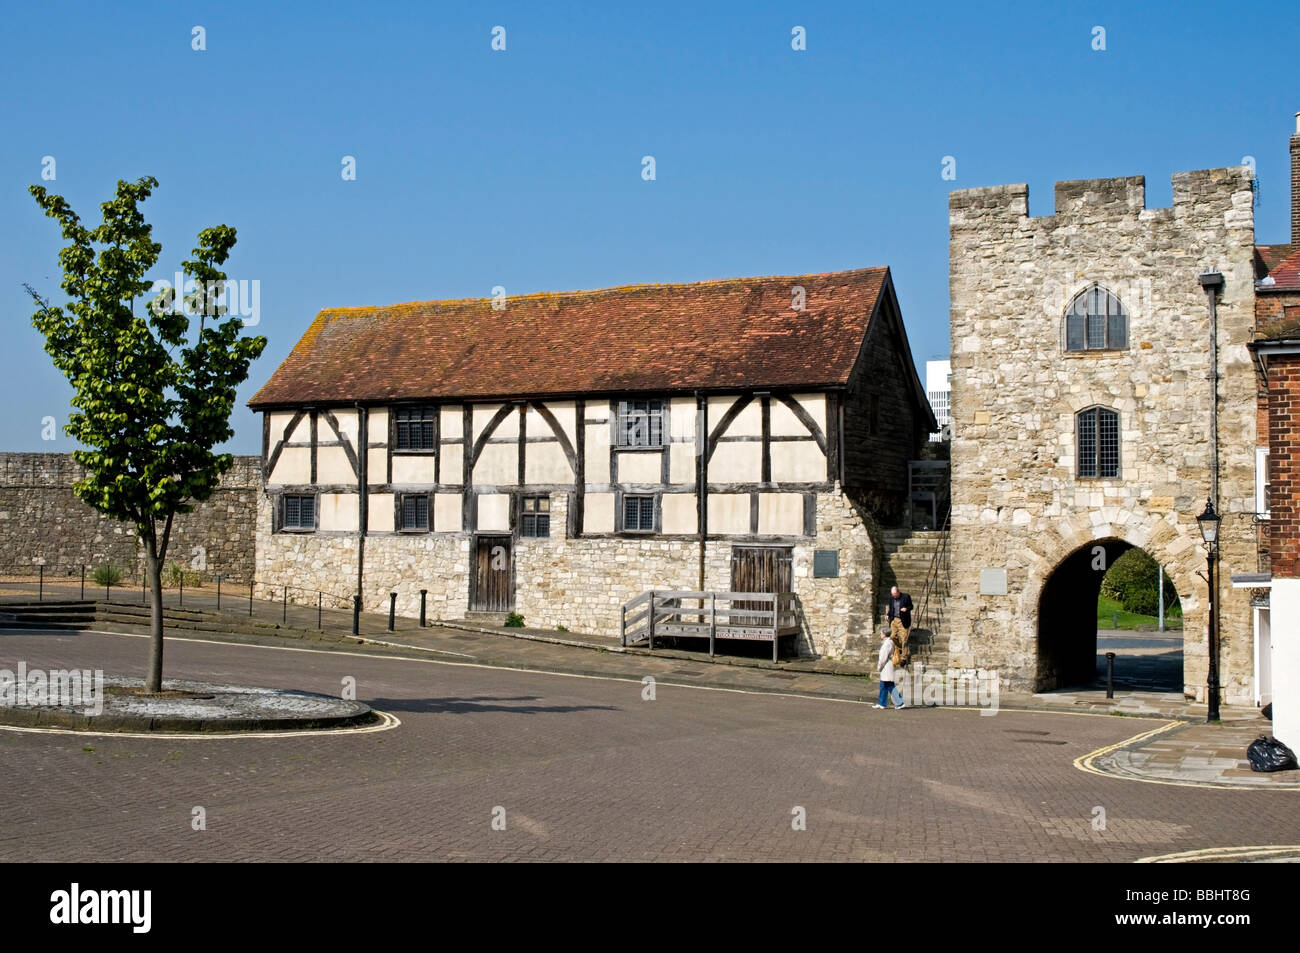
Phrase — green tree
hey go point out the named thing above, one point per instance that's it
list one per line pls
(151, 395)
(1133, 581)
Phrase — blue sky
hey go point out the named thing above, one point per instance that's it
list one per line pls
(522, 168)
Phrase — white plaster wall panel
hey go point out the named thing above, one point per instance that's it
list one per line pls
(494, 513)
(729, 513)
(681, 411)
(785, 423)
(546, 463)
(798, 462)
(339, 511)
(348, 427)
(293, 467)
(279, 422)
(451, 421)
(639, 466)
(737, 463)
(333, 467)
(377, 426)
(780, 514)
(815, 404)
(413, 469)
(598, 513)
(565, 413)
(483, 414)
(447, 513)
(597, 452)
(453, 464)
(679, 513)
(498, 465)
(377, 466)
(379, 517)
(681, 467)
(748, 423)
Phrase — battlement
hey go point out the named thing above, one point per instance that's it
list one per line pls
(1201, 194)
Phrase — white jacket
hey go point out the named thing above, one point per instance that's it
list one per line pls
(885, 664)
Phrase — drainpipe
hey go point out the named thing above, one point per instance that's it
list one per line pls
(702, 474)
(363, 501)
(1212, 281)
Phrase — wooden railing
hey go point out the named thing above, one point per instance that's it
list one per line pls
(757, 616)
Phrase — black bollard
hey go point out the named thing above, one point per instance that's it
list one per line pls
(318, 599)
(1110, 674)
(284, 606)
(83, 581)
(423, 594)
(218, 592)
(356, 615)
(40, 591)
(250, 597)
(392, 609)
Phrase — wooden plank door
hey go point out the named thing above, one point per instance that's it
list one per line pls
(760, 569)
(494, 575)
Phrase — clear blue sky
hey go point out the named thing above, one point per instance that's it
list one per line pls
(522, 168)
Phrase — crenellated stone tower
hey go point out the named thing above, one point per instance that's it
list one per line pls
(1039, 501)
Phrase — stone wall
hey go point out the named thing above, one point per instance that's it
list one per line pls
(41, 518)
(579, 583)
(1017, 505)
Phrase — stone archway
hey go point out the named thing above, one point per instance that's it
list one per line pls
(1059, 603)
(1067, 615)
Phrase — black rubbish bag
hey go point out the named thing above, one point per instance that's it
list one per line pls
(1269, 754)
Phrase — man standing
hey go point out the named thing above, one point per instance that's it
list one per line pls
(900, 619)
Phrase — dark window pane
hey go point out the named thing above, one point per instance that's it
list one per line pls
(640, 423)
(415, 512)
(1108, 443)
(639, 513)
(1118, 331)
(299, 512)
(413, 428)
(1086, 428)
(1074, 339)
(1096, 331)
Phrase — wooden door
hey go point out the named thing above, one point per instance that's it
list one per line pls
(494, 575)
(760, 569)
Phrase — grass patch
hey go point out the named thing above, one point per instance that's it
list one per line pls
(1108, 611)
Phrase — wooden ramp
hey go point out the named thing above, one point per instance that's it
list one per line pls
(751, 616)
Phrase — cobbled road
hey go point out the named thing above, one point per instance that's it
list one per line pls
(585, 769)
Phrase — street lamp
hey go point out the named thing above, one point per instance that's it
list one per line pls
(1209, 524)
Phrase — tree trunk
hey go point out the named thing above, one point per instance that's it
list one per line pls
(153, 573)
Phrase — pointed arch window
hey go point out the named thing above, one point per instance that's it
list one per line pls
(1096, 435)
(1096, 321)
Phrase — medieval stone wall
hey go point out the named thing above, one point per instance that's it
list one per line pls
(42, 519)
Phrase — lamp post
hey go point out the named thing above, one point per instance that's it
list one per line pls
(1209, 524)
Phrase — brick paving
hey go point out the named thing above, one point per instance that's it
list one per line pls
(586, 770)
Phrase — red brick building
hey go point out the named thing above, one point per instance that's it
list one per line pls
(1276, 349)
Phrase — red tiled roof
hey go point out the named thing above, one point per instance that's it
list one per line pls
(1285, 274)
(1268, 257)
(711, 335)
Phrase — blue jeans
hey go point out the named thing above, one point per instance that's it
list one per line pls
(887, 691)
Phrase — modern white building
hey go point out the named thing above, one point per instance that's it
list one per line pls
(938, 388)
